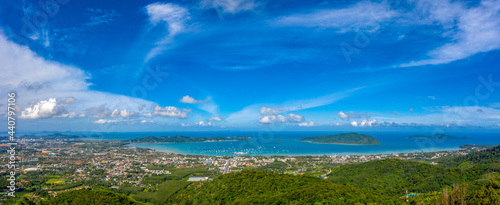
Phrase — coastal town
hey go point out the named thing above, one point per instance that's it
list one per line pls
(49, 167)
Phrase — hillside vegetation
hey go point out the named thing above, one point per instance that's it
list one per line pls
(87, 197)
(261, 187)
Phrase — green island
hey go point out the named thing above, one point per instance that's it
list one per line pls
(343, 138)
(435, 136)
(184, 139)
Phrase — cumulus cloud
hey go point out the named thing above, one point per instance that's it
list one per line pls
(123, 113)
(252, 112)
(61, 90)
(168, 111)
(215, 119)
(295, 118)
(343, 115)
(45, 109)
(200, 123)
(272, 119)
(190, 100)
(281, 119)
(229, 6)
(367, 123)
(171, 15)
(306, 124)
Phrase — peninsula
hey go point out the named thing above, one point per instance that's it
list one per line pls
(184, 139)
(343, 138)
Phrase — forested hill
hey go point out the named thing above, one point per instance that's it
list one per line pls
(392, 177)
(184, 139)
(260, 187)
(487, 156)
(343, 138)
(87, 197)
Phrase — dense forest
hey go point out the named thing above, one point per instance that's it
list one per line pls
(343, 138)
(184, 139)
(261, 187)
(86, 197)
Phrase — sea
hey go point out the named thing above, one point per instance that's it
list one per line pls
(286, 143)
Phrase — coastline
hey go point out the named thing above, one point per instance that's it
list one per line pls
(426, 150)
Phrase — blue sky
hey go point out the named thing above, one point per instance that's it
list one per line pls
(104, 66)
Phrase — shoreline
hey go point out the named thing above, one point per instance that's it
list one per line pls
(428, 150)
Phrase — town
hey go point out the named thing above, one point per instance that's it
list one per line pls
(48, 167)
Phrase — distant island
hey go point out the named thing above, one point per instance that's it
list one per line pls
(184, 139)
(343, 138)
(435, 136)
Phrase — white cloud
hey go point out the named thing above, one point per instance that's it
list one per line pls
(470, 30)
(200, 123)
(188, 99)
(215, 119)
(43, 109)
(271, 111)
(147, 122)
(68, 100)
(354, 123)
(229, 6)
(295, 118)
(37, 80)
(367, 123)
(465, 116)
(252, 112)
(272, 119)
(174, 16)
(365, 14)
(353, 115)
(343, 115)
(310, 124)
(104, 121)
(168, 111)
(123, 113)
(281, 119)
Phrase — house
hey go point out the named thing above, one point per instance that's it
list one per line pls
(197, 179)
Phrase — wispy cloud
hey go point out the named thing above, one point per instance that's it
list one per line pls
(100, 16)
(470, 30)
(173, 16)
(229, 6)
(364, 14)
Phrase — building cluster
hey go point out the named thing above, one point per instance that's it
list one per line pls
(80, 161)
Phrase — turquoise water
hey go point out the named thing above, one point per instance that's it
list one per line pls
(266, 143)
